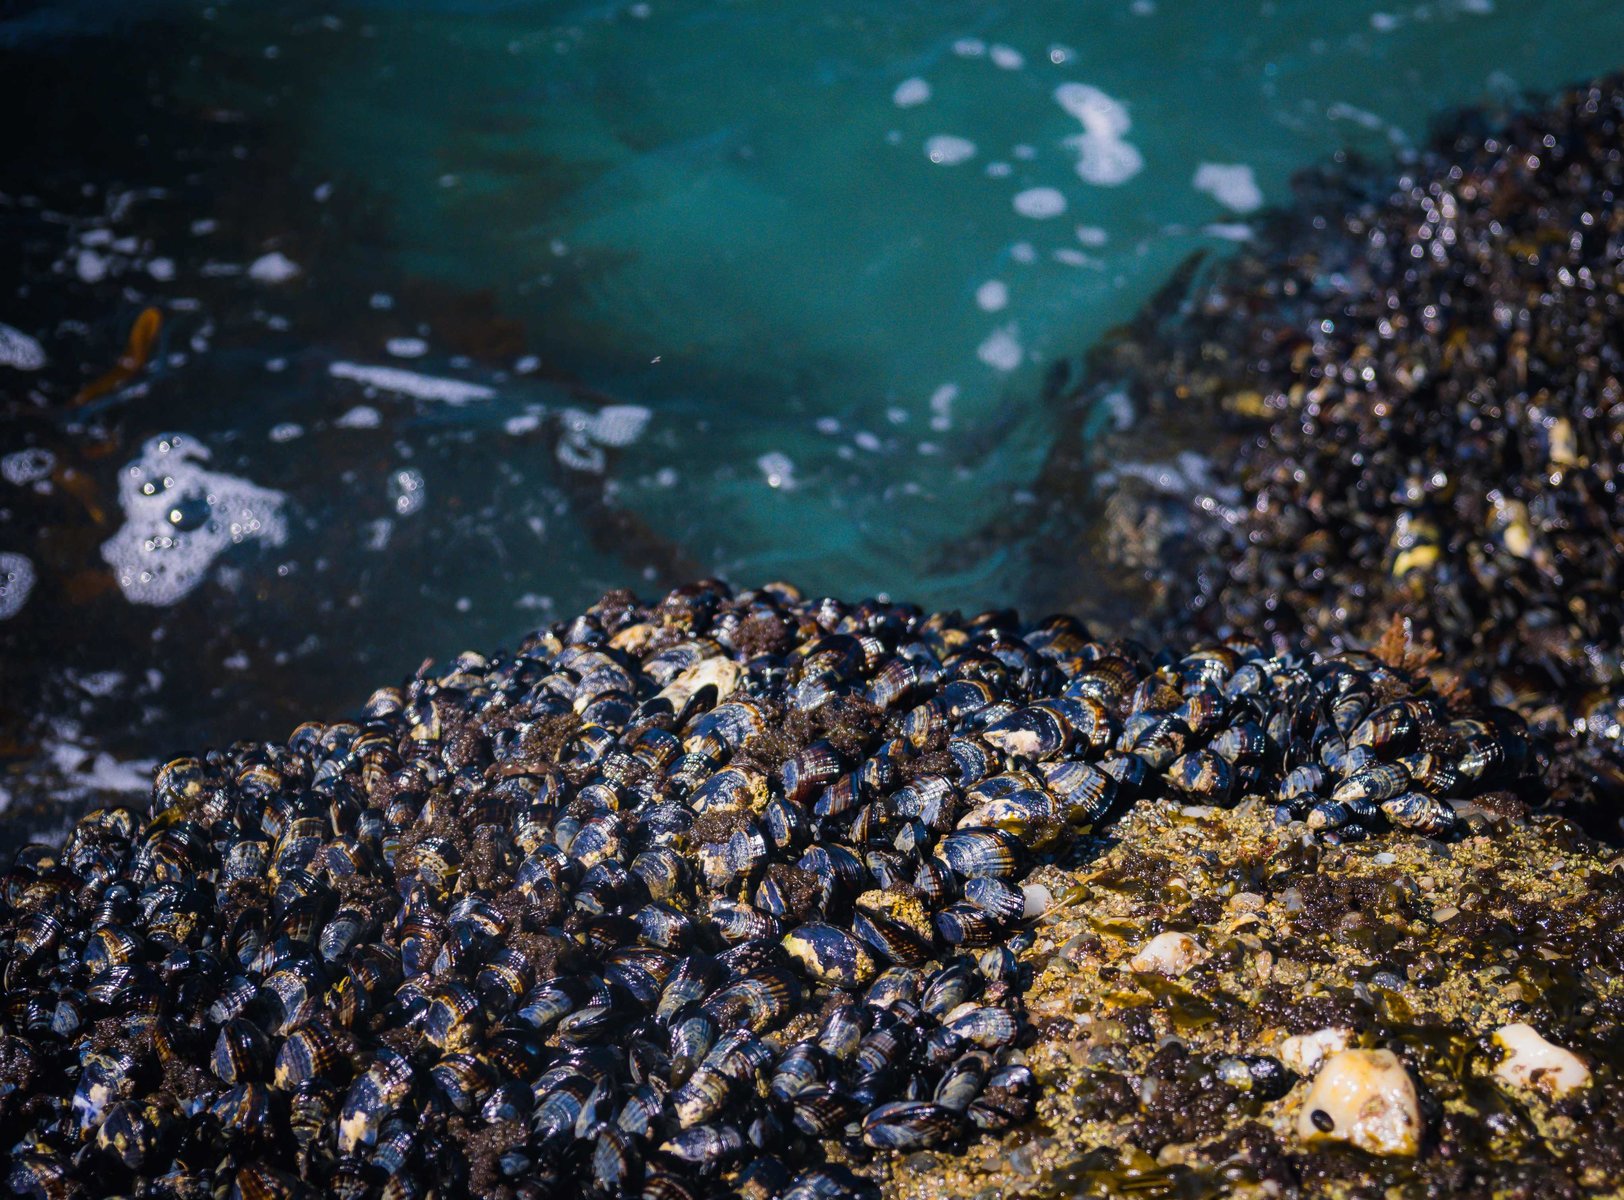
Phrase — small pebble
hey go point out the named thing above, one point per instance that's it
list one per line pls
(1534, 1063)
(1365, 1098)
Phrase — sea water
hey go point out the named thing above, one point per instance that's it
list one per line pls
(473, 310)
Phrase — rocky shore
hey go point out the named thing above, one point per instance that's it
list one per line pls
(760, 894)
(1418, 387)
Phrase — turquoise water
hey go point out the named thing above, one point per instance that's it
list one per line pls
(474, 310)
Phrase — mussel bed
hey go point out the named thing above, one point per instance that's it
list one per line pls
(1418, 371)
(730, 893)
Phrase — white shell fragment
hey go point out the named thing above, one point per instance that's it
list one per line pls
(1304, 1052)
(1170, 954)
(721, 673)
(1364, 1098)
(1534, 1063)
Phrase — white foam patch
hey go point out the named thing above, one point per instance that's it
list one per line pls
(16, 581)
(274, 267)
(23, 467)
(287, 431)
(1230, 231)
(362, 416)
(1007, 57)
(411, 383)
(179, 516)
(406, 347)
(90, 266)
(585, 434)
(19, 351)
(948, 150)
(941, 406)
(911, 93)
(1002, 349)
(1040, 203)
(970, 47)
(99, 771)
(1104, 158)
(1092, 235)
(779, 470)
(992, 296)
(615, 424)
(1231, 184)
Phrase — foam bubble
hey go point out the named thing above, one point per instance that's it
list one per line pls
(274, 267)
(1091, 235)
(23, 467)
(19, 351)
(1103, 157)
(969, 47)
(161, 269)
(16, 581)
(90, 266)
(1007, 57)
(1106, 162)
(585, 434)
(287, 431)
(948, 150)
(941, 406)
(406, 347)
(992, 295)
(180, 516)
(362, 416)
(1040, 203)
(1230, 231)
(617, 424)
(778, 469)
(522, 423)
(910, 93)
(411, 383)
(1232, 184)
(407, 491)
(1002, 349)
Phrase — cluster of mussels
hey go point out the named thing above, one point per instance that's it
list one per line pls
(718, 896)
(1425, 376)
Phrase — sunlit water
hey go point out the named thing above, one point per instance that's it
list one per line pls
(474, 310)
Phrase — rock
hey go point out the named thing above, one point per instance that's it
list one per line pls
(1534, 1063)
(1304, 1052)
(1364, 1098)
(1170, 954)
